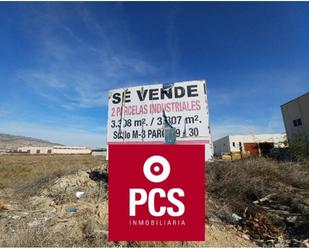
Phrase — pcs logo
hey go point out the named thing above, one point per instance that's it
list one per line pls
(157, 178)
(156, 192)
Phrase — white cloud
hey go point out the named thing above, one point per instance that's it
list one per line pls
(46, 79)
(238, 127)
(74, 71)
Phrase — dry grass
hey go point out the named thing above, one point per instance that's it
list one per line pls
(2, 205)
(24, 177)
(234, 186)
(250, 179)
(30, 172)
(231, 187)
(22, 236)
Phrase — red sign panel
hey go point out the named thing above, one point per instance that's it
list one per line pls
(156, 192)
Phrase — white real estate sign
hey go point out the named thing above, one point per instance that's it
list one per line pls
(135, 114)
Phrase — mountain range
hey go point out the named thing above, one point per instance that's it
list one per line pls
(12, 142)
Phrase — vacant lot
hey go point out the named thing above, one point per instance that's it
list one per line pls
(249, 202)
(19, 170)
(266, 199)
(36, 193)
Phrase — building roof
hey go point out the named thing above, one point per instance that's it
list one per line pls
(261, 134)
(295, 98)
(70, 147)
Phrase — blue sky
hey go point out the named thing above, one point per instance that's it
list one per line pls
(58, 60)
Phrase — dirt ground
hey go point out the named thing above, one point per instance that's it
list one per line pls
(39, 207)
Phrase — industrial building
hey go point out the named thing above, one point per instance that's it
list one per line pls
(98, 152)
(54, 150)
(4, 151)
(296, 117)
(257, 144)
(71, 150)
(35, 150)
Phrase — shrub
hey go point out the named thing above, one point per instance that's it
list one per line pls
(298, 149)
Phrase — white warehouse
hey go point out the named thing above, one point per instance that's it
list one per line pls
(71, 150)
(35, 150)
(54, 150)
(252, 144)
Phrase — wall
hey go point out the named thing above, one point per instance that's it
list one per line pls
(231, 143)
(221, 145)
(293, 110)
(71, 150)
(55, 150)
(277, 139)
(99, 153)
(33, 150)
